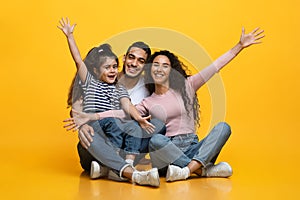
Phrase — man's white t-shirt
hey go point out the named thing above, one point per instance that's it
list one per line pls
(138, 92)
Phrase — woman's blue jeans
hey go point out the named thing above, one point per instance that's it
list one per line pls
(181, 149)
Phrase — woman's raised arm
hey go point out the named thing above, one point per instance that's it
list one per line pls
(246, 40)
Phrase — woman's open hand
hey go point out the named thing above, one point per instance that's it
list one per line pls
(251, 38)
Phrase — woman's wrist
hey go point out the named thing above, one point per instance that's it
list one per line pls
(237, 48)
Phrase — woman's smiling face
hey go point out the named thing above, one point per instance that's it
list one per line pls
(160, 70)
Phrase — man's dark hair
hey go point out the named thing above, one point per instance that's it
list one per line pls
(140, 45)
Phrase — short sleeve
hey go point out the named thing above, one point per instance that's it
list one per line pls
(122, 92)
(87, 82)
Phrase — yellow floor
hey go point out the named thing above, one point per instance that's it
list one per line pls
(49, 168)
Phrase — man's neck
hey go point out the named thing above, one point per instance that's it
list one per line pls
(129, 82)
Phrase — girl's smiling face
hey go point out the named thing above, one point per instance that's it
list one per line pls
(108, 71)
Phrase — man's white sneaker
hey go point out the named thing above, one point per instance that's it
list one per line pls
(150, 177)
(97, 170)
(176, 173)
(222, 169)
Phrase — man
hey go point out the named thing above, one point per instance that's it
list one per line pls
(133, 67)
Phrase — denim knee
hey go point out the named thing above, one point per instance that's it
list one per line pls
(160, 127)
(157, 141)
(224, 129)
(133, 129)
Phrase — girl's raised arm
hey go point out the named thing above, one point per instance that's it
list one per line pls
(68, 30)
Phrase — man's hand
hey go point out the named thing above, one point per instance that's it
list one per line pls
(85, 135)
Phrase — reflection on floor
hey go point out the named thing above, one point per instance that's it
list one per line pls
(51, 170)
(194, 188)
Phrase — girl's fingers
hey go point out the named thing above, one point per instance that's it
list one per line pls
(151, 130)
(62, 21)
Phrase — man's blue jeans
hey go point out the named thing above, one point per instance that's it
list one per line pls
(102, 150)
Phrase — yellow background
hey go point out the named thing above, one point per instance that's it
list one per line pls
(262, 87)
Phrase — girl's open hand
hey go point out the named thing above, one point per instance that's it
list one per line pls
(66, 27)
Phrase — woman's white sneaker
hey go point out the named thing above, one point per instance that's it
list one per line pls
(222, 169)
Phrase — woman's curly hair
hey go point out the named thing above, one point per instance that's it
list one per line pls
(177, 81)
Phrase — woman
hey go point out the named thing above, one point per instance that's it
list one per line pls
(173, 100)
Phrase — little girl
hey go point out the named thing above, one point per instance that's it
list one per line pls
(101, 92)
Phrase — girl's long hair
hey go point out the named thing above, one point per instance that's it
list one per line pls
(94, 59)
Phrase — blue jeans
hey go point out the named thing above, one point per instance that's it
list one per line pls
(180, 150)
(102, 150)
(126, 136)
(160, 129)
